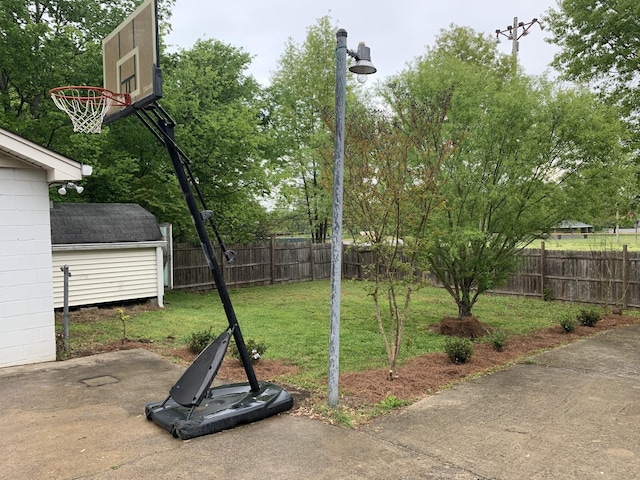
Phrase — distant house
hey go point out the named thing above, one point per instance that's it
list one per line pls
(114, 253)
(571, 228)
(27, 323)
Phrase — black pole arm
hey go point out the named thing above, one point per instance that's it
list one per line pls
(165, 133)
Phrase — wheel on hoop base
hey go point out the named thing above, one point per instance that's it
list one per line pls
(87, 106)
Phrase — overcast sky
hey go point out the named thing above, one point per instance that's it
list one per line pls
(397, 31)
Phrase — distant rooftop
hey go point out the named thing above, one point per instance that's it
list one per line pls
(73, 223)
(572, 224)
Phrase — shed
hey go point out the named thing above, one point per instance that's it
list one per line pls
(114, 252)
(568, 229)
(27, 322)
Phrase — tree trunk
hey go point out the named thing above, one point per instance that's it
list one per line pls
(464, 303)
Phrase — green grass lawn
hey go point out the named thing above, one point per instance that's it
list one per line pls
(593, 242)
(292, 320)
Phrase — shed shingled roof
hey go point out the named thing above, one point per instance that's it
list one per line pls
(73, 223)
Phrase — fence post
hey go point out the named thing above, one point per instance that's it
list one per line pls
(273, 259)
(312, 260)
(218, 253)
(543, 273)
(625, 275)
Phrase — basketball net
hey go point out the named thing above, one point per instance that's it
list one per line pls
(87, 106)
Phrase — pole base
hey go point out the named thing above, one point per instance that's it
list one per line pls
(223, 407)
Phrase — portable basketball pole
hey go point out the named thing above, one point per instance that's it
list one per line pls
(162, 126)
(226, 406)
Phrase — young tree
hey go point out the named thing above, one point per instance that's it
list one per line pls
(391, 192)
(526, 154)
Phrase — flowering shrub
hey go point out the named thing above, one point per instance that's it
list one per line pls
(254, 348)
(124, 319)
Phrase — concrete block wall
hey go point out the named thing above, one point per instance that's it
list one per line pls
(27, 325)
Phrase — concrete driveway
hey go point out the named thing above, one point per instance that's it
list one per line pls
(572, 412)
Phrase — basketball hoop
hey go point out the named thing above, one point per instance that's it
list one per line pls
(87, 106)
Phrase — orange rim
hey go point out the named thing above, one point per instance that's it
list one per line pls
(122, 99)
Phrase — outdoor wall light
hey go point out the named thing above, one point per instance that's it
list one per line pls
(70, 185)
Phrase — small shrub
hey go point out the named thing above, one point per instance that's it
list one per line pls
(123, 319)
(498, 340)
(459, 350)
(198, 341)
(547, 294)
(568, 324)
(254, 348)
(588, 318)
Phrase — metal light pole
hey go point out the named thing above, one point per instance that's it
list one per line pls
(65, 309)
(515, 32)
(363, 67)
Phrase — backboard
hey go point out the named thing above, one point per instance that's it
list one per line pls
(131, 61)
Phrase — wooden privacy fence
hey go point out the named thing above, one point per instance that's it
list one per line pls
(255, 264)
(598, 277)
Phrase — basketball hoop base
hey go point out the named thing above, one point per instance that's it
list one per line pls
(87, 106)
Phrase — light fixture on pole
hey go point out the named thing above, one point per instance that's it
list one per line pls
(362, 68)
(515, 32)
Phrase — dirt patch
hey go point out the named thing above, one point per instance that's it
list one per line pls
(468, 327)
(424, 374)
(428, 373)
(94, 314)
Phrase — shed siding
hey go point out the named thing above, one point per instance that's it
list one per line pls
(105, 275)
(27, 328)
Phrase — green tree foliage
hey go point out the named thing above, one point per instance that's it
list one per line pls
(525, 156)
(218, 112)
(302, 98)
(55, 43)
(600, 44)
(45, 44)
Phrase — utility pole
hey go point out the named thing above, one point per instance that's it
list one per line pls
(515, 46)
(515, 32)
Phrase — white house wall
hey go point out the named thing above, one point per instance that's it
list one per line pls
(107, 275)
(27, 324)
